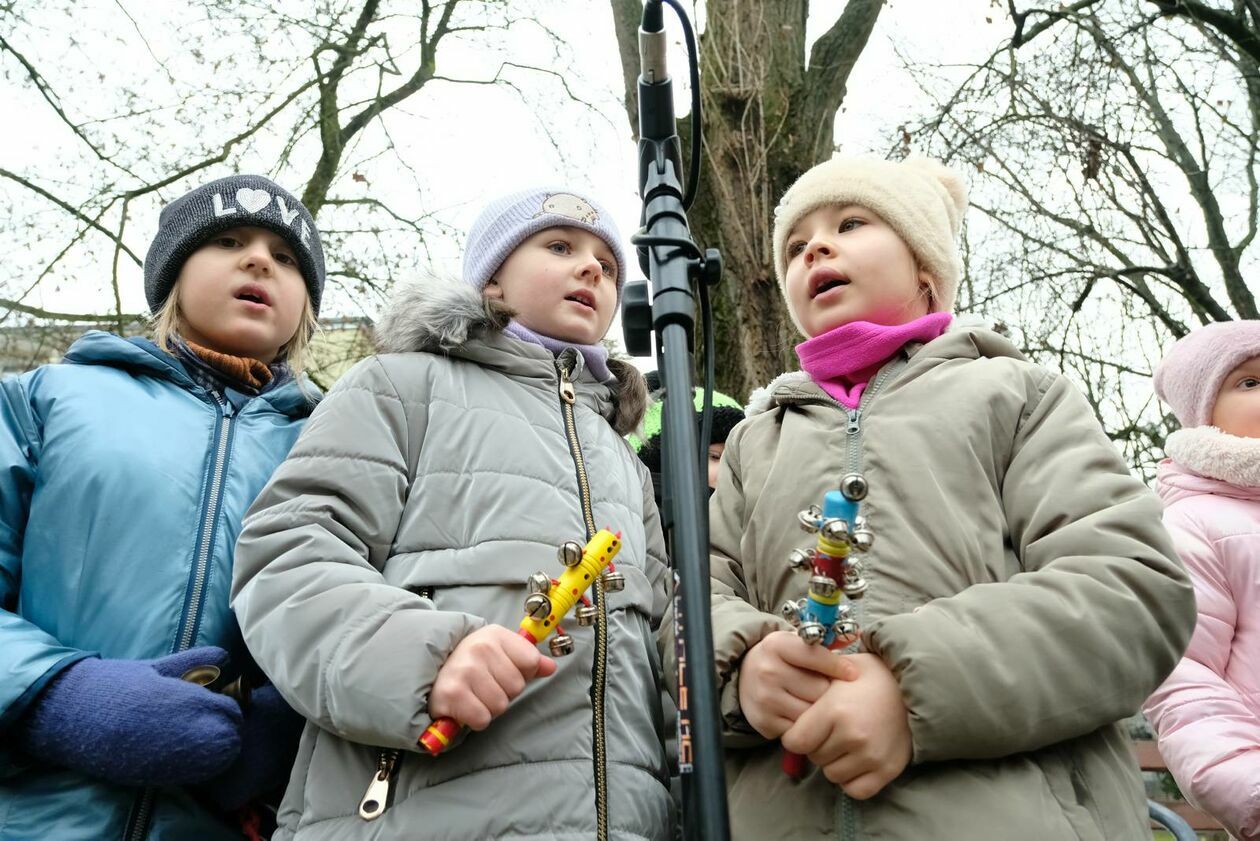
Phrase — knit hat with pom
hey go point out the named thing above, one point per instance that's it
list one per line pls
(920, 198)
(1190, 376)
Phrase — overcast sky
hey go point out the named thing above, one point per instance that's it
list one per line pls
(466, 142)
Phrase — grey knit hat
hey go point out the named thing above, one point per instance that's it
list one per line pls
(508, 221)
(235, 201)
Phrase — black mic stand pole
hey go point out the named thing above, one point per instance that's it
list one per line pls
(675, 265)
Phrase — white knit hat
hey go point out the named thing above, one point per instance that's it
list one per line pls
(920, 198)
(510, 220)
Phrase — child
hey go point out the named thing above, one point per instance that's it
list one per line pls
(382, 573)
(1022, 595)
(124, 475)
(725, 419)
(1207, 713)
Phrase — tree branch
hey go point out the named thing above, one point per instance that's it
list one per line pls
(78, 317)
(830, 62)
(72, 210)
(1233, 28)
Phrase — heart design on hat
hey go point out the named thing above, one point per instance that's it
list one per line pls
(252, 200)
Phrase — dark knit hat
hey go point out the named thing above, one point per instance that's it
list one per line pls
(232, 202)
(725, 419)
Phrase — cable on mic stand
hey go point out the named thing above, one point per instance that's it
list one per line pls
(680, 275)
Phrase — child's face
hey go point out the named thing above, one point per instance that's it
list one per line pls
(1237, 409)
(242, 293)
(846, 264)
(562, 283)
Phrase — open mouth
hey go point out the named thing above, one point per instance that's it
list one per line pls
(254, 294)
(583, 297)
(824, 279)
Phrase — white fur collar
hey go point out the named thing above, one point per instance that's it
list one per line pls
(762, 399)
(1210, 452)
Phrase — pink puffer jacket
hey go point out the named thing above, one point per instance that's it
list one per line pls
(1207, 713)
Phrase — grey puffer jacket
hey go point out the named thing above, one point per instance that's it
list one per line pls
(432, 480)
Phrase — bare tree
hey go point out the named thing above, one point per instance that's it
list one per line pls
(1113, 162)
(307, 87)
(769, 114)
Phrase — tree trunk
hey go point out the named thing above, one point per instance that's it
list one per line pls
(767, 118)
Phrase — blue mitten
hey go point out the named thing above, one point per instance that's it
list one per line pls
(269, 742)
(134, 722)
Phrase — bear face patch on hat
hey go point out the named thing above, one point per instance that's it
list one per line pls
(236, 201)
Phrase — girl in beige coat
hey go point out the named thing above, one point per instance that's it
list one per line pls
(1022, 595)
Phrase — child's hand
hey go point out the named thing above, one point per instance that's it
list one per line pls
(780, 678)
(484, 673)
(858, 732)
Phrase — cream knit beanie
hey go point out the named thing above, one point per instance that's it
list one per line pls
(920, 198)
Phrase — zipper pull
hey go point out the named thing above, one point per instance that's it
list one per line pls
(855, 422)
(567, 392)
(373, 804)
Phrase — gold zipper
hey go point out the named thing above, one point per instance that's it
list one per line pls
(568, 396)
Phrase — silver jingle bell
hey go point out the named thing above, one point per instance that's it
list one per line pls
(538, 606)
(821, 585)
(586, 615)
(854, 487)
(613, 582)
(809, 518)
(854, 584)
(811, 632)
(570, 553)
(863, 538)
(791, 612)
(837, 531)
(801, 558)
(847, 631)
(538, 583)
(561, 645)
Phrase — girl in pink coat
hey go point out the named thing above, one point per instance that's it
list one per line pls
(1207, 713)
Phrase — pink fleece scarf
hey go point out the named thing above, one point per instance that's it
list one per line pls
(843, 360)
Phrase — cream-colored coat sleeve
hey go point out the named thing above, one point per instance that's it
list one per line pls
(1096, 620)
(737, 624)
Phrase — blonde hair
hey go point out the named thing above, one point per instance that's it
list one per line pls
(168, 323)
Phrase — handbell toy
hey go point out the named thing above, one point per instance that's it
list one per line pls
(826, 615)
(548, 602)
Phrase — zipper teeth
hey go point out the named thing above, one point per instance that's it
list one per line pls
(139, 826)
(140, 822)
(601, 626)
(207, 526)
(847, 819)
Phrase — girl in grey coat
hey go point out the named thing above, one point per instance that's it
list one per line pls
(380, 571)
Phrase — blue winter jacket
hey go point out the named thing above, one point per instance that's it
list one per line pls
(122, 489)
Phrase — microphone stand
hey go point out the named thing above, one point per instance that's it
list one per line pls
(675, 265)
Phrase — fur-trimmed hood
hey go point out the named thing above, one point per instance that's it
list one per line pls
(434, 314)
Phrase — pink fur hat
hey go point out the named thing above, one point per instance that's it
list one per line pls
(1190, 376)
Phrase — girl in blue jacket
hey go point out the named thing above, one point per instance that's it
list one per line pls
(125, 472)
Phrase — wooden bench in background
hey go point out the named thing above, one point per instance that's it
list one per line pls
(1149, 760)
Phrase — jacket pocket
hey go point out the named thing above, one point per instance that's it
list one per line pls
(1068, 788)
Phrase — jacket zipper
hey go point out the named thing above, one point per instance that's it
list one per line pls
(568, 396)
(376, 799)
(142, 811)
(847, 815)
